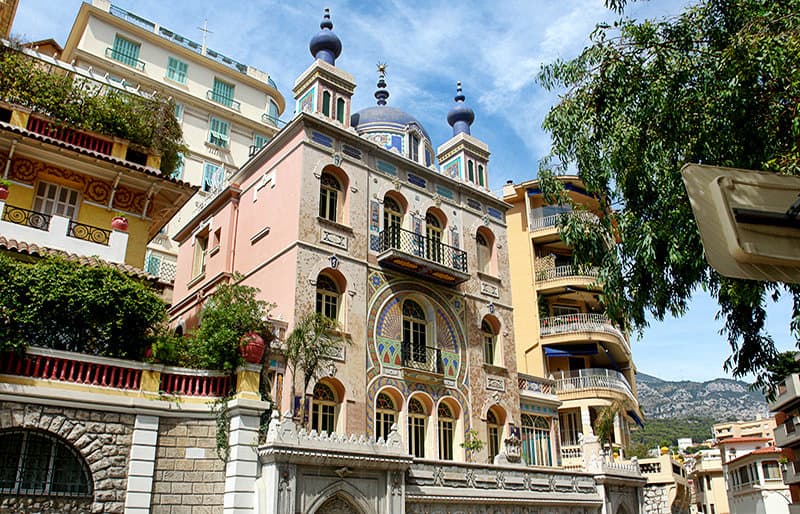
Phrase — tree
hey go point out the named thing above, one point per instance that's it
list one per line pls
(783, 366)
(64, 305)
(231, 312)
(718, 84)
(309, 347)
(604, 423)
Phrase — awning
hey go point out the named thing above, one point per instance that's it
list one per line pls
(571, 350)
(635, 417)
(611, 358)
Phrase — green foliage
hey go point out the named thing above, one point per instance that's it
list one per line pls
(59, 304)
(719, 84)
(227, 315)
(665, 432)
(783, 366)
(638, 450)
(222, 423)
(604, 423)
(309, 348)
(472, 443)
(4, 183)
(86, 105)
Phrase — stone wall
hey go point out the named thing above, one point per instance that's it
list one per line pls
(102, 439)
(189, 477)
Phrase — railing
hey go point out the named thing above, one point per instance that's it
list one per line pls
(592, 378)
(273, 120)
(571, 457)
(33, 219)
(124, 58)
(396, 238)
(132, 18)
(50, 367)
(559, 272)
(423, 358)
(89, 233)
(540, 223)
(535, 384)
(70, 135)
(160, 267)
(580, 322)
(650, 468)
(223, 100)
(196, 385)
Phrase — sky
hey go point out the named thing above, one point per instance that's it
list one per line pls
(495, 49)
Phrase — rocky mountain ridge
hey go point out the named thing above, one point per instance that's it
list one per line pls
(722, 399)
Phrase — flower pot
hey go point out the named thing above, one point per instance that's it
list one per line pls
(3, 192)
(119, 223)
(251, 348)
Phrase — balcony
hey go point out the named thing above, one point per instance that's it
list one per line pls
(787, 393)
(560, 277)
(571, 457)
(787, 435)
(124, 58)
(536, 388)
(421, 256)
(60, 233)
(592, 379)
(223, 100)
(545, 228)
(581, 326)
(422, 358)
(273, 120)
(791, 473)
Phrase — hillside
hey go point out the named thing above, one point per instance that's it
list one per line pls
(720, 399)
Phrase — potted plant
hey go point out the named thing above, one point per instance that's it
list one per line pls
(4, 188)
(119, 222)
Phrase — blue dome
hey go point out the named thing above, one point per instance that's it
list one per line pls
(383, 117)
(326, 45)
(460, 116)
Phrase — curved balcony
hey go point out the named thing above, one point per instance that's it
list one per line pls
(581, 327)
(590, 379)
(545, 228)
(560, 277)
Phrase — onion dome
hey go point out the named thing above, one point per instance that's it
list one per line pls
(383, 119)
(326, 45)
(460, 116)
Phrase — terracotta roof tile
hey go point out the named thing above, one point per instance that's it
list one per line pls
(40, 251)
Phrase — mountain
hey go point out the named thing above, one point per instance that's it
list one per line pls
(721, 399)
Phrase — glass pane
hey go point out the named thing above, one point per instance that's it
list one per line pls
(9, 459)
(68, 473)
(36, 462)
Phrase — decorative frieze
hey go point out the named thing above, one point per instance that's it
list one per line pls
(490, 290)
(495, 384)
(334, 239)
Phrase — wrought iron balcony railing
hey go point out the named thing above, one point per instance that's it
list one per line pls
(273, 120)
(580, 322)
(560, 272)
(124, 58)
(223, 100)
(88, 233)
(396, 238)
(423, 358)
(28, 218)
(592, 378)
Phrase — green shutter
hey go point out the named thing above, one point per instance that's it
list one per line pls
(326, 103)
(125, 51)
(178, 111)
(259, 141)
(218, 135)
(177, 70)
(223, 92)
(480, 174)
(210, 177)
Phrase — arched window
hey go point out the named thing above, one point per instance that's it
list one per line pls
(470, 171)
(392, 221)
(480, 175)
(329, 196)
(489, 336)
(39, 464)
(536, 440)
(326, 103)
(385, 415)
(433, 231)
(493, 431)
(413, 147)
(327, 297)
(414, 334)
(340, 110)
(323, 410)
(417, 421)
(446, 427)
(484, 253)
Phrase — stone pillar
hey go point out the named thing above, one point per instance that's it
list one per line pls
(141, 465)
(592, 453)
(586, 421)
(248, 377)
(242, 466)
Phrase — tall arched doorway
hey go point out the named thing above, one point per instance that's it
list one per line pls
(338, 505)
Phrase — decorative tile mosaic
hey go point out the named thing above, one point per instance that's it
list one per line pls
(385, 167)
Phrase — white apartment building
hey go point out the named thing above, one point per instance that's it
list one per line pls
(227, 109)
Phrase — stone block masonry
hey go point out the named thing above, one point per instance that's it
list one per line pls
(103, 439)
(189, 477)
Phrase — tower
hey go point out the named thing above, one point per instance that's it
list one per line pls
(464, 157)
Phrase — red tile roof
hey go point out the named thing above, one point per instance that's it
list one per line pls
(40, 251)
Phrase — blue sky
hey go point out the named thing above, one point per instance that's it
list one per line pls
(496, 50)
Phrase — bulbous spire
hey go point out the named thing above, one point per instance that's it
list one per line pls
(381, 94)
(460, 116)
(326, 45)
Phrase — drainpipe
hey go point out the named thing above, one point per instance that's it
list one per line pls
(10, 155)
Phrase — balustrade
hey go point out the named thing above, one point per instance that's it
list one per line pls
(33, 219)
(592, 378)
(89, 233)
(418, 245)
(581, 322)
(559, 272)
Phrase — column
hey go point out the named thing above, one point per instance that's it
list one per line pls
(242, 466)
(141, 465)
